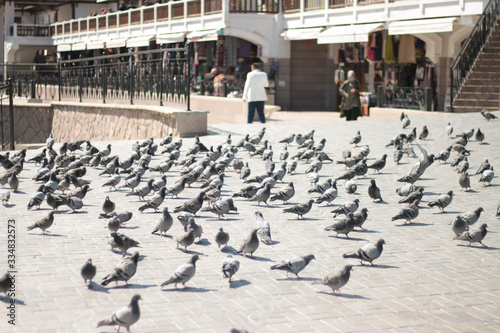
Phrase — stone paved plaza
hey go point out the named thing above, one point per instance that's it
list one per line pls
(424, 281)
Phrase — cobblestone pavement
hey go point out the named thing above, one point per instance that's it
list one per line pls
(424, 281)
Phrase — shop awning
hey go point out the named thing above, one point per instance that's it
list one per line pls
(139, 41)
(78, 47)
(348, 33)
(421, 26)
(170, 38)
(121, 42)
(95, 45)
(203, 36)
(64, 48)
(301, 34)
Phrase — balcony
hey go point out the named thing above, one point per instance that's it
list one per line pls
(29, 30)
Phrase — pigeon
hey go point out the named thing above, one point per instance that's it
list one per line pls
(5, 197)
(230, 266)
(285, 194)
(183, 273)
(122, 242)
(350, 187)
(413, 196)
(288, 139)
(247, 192)
(458, 225)
(360, 217)
(114, 224)
(165, 223)
(398, 155)
(142, 191)
(73, 203)
(487, 115)
(407, 189)
(337, 279)
(368, 252)
(126, 316)
(463, 166)
(378, 164)
(124, 271)
(405, 121)
(155, 201)
(498, 210)
(374, 191)
(55, 201)
(476, 236)
(79, 192)
(192, 205)
(108, 206)
(159, 183)
(343, 226)
(264, 227)
(464, 181)
(329, 195)
(51, 184)
(284, 154)
(442, 201)
(425, 132)
(408, 213)
(177, 188)
(221, 207)
(348, 175)
(347, 207)
(250, 245)
(483, 167)
(472, 216)
(262, 194)
(44, 223)
(294, 265)
(444, 155)
(88, 271)
(197, 229)
(221, 238)
(356, 139)
(291, 167)
(300, 209)
(186, 239)
(321, 187)
(487, 176)
(123, 216)
(479, 136)
(6, 282)
(245, 172)
(449, 129)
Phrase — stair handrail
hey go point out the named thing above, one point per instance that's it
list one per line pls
(464, 62)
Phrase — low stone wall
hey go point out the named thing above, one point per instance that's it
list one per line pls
(68, 121)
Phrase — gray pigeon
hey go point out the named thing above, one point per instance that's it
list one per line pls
(285, 194)
(108, 206)
(484, 166)
(356, 139)
(264, 227)
(476, 236)
(165, 223)
(183, 273)
(88, 271)
(487, 115)
(123, 216)
(262, 194)
(184, 218)
(247, 192)
(350, 187)
(321, 187)
(126, 316)
(250, 245)
(408, 213)
(472, 216)
(337, 279)
(73, 203)
(193, 205)
(329, 195)
(5, 197)
(142, 191)
(343, 226)
(417, 194)
(487, 176)
(220, 207)
(406, 190)
(480, 136)
(230, 266)
(379, 164)
(347, 207)
(186, 239)
(368, 252)
(114, 224)
(425, 132)
(294, 265)
(44, 223)
(464, 181)
(458, 225)
(374, 191)
(221, 238)
(6, 282)
(122, 242)
(498, 210)
(360, 217)
(124, 271)
(197, 229)
(155, 201)
(300, 209)
(442, 201)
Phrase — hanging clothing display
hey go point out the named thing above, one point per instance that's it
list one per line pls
(244, 49)
(210, 52)
(231, 44)
(220, 53)
(389, 50)
(407, 50)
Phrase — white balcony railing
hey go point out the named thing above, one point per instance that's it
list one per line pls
(29, 30)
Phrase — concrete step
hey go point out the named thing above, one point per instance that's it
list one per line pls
(476, 102)
(464, 109)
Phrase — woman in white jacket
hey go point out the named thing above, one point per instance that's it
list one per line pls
(255, 92)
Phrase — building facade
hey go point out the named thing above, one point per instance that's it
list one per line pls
(307, 46)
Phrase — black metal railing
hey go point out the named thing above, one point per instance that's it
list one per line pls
(405, 97)
(466, 59)
(7, 116)
(254, 6)
(219, 89)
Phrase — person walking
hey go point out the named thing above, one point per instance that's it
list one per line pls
(351, 103)
(255, 92)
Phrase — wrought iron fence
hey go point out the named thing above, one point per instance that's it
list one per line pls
(405, 97)
(222, 89)
(466, 59)
(156, 75)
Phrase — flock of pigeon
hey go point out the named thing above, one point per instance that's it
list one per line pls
(61, 176)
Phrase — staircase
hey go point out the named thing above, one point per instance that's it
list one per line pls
(475, 73)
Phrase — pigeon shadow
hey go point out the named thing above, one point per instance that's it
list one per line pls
(20, 192)
(97, 287)
(50, 235)
(238, 284)
(479, 246)
(227, 219)
(134, 286)
(190, 252)
(78, 212)
(377, 266)
(446, 212)
(9, 205)
(127, 227)
(297, 279)
(350, 238)
(229, 249)
(204, 242)
(382, 202)
(304, 219)
(353, 296)
(272, 243)
(366, 231)
(415, 224)
(8, 300)
(255, 258)
(190, 290)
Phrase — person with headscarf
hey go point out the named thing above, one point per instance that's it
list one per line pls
(351, 103)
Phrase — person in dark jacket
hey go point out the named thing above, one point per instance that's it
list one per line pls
(350, 90)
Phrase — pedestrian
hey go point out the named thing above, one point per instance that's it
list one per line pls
(255, 92)
(123, 6)
(351, 103)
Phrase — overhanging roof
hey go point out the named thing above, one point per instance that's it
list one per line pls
(355, 33)
(421, 26)
(139, 41)
(119, 42)
(203, 35)
(176, 37)
(302, 34)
